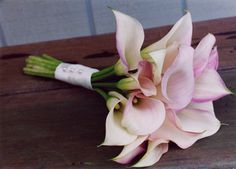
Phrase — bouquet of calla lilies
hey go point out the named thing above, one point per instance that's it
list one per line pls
(162, 93)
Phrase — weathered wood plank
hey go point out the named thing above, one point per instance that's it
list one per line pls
(56, 129)
(99, 51)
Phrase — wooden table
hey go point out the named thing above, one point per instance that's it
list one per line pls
(47, 124)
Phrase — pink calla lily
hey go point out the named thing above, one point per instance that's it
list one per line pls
(197, 118)
(144, 77)
(180, 33)
(129, 39)
(131, 150)
(213, 62)
(209, 86)
(115, 133)
(202, 53)
(178, 81)
(154, 152)
(178, 128)
(143, 115)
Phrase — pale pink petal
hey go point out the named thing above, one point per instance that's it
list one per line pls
(157, 59)
(131, 150)
(172, 132)
(144, 78)
(171, 53)
(130, 156)
(154, 152)
(205, 106)
(202, 54)
(129, 39)
(209, 86)
(178, 80)
(213, 62)
(115, 133)
(194, 120)
(181, 33)
(143, 117)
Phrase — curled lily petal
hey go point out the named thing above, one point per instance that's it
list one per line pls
(144, 78)
(181, 32)
(115, 133)
(131, 150)
(205, 106)
(130, 156)
(209, 86)
(154, 152)
(213, 62)
(202, 53)
(171, 53)
(178, 81)
(157, 59)
(198, 118)
(143, 115)
(171, 131)
(195, 120)
(129, 39)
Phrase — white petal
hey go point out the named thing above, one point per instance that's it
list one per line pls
(181, 32)
(144, 117)
(115, 133)
(129, 39)
(195, 120)
(178, 80)
(131, 147)
(154, 152)
(171, 131)
(209, 86)
(202, 53)
(157, 58)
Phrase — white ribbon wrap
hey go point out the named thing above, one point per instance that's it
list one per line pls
(75, 74)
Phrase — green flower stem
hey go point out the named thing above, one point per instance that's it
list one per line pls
(102, 93)
(106, 85)
(45, 56)
(38, 72)
(103, 71)
(37, 59)
(41, 64)
(103, 76)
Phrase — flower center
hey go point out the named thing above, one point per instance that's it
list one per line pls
(136, 100)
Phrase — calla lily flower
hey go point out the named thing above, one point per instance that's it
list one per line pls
(169, 71)
(169, 89)
(185, 127)
(142, 79)
(155, 149)
(143, 115)
(130, 37)
(208, 84)
(178, 81)
(115, 133)
(154, 152)
(131, 150)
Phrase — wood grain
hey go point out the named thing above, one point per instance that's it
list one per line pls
(46, 124)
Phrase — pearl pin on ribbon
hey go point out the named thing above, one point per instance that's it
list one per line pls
(75, 74)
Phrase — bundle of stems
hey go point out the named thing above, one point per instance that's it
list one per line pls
(45, 66)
